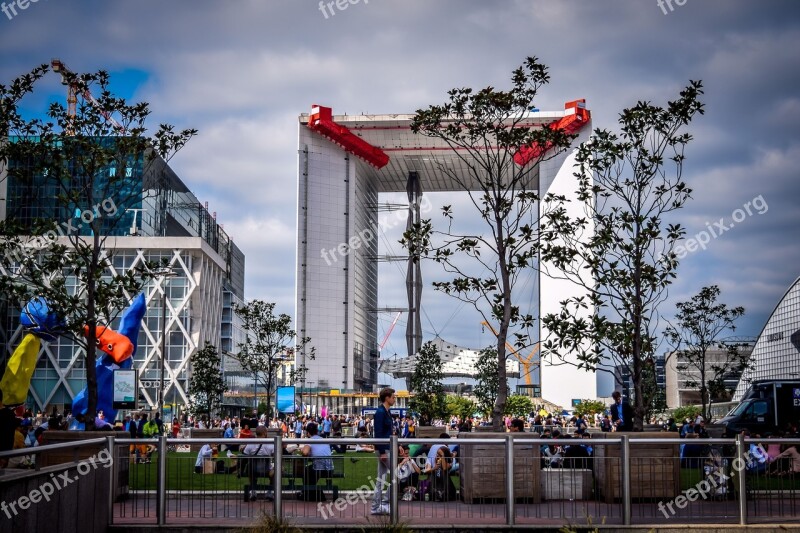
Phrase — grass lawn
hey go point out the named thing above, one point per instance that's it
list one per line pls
(359, 469)
(690, 477)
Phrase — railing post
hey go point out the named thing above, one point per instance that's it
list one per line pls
(393, 485)
(277, 480)
(741, 479)
(112, 478)
(625, 460)
(161, 490)
(509, 480)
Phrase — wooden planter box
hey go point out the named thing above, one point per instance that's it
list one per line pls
(57, 457)
(483, 469)
(655, 468)
(429, 432)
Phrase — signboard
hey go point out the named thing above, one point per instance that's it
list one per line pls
(576, 402)
(126, 389)
(285, 400)
(796, 396)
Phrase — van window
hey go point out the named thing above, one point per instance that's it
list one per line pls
(756, 410)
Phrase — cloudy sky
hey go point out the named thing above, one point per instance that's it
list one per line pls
(241, 72)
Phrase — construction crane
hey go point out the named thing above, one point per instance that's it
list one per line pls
(389, 332)
(69, 79)
(527, 362)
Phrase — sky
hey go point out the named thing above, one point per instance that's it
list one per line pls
(241, 72)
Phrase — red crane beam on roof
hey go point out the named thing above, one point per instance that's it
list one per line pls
(569, 124)
(321, 121)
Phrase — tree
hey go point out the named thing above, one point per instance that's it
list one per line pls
(518, 405)
(589, 408)
(426, 384)
(459, 406)
(687, 412)
(704, 360)
(620, 251)
(487, 381)
(485, 129)
(207, 384)
(83, 172)
(269, 343)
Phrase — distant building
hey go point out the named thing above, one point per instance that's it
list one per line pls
(344, 163)
(683, 380)
(623, 380)
(165, 221)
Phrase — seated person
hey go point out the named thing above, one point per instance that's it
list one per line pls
(433, 449)
(441, 485)
(364, 447)
(206, 452)
(321, 465)
(693, 454)
(793, 453)
(759, 458)
(339, 448)
(408, 472)
(257, 464)
(245, 432)
(576, 455)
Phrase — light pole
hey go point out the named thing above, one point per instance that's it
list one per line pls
(165, 274)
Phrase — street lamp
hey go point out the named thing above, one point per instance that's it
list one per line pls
(164, 274)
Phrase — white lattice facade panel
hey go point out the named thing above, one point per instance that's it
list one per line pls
(193, 316)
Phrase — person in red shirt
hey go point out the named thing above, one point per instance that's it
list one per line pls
(176, 428)
(245, 433)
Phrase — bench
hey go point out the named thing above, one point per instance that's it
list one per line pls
(292, 475)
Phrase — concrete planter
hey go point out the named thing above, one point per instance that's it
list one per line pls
(483, 469)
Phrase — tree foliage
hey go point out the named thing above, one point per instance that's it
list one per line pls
(485, 129)
(426, 384)
(83, 173)
(519, 405)
(700, 323)
(620, 250)
(590, 407)
(459, 406)
(207, 384)
(687, 412)
(487, 381)
(269, 343)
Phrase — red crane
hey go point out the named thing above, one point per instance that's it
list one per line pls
(68, 78)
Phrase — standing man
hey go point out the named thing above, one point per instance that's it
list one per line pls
(383, 430)
(621, 413)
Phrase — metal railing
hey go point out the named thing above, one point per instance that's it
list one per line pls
(617, 479)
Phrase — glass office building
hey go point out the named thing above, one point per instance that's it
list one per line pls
(155, 217)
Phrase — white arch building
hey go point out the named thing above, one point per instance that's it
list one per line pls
(344, 163)
(776, 354)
